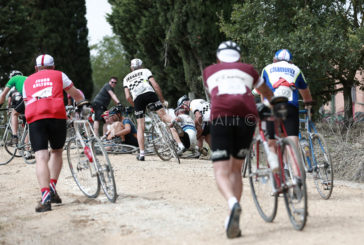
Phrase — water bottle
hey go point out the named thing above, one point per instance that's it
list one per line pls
(88, 153)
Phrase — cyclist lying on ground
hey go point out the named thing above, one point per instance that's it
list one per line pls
(121, 127)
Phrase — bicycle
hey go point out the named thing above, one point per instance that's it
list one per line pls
(8, 149)
(115, 146)
(290, 180)
(161, 136)
(88, 160)
(316, 156)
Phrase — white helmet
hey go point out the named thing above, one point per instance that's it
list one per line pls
(15, 73)
(136, 63)
(228, 52)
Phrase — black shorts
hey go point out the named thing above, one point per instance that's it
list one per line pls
(231, 136)
(99, 109)
(206, 128)
(291, 124)
(185, 139)
(44, 130)
(17, 103)
(131, 140)
(141, 102)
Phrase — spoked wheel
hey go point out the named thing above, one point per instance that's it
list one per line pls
(261, 182)
(25, 148)
(304, 147)
(160, 147)
(105, 170)
(7, 149)
(323, 174)
(112, 147)
(82, 170)
(295, 194)
(168, 138)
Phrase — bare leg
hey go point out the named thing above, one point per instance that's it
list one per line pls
(42, 169)
(14, 122)
(96, 127)
(164, 116)
(140, 133)
(55, 163)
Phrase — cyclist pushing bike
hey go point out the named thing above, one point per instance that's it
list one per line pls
(233, 114)
(16, 80)
(285, 79)
(46, 115)
(142, 89)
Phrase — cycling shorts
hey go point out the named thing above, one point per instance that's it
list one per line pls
(291, 124)
(99, 109)
(50, 130)
(206, 127)
(141, 102)
(17, 103)
(231, 136)
(185, 139)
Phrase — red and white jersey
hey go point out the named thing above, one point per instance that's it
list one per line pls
(43, 95)
(229, 86)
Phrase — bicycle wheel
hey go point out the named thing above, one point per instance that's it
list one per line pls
(168, 138)
(7, 149)
(160, 147)
(82, 170)
(104, 169)
(261, 182)
(25, 148)
(323, 174)
(295, 194)
(112, 147)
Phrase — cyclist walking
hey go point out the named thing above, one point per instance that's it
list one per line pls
(233, 114)
(142, 89)
(46, 115)
(102, 101)
(16, 81)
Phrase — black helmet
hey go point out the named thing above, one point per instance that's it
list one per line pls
(182, 99)
(115, 110)
(15, 73)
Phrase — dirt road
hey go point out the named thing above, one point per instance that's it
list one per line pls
(165, 203)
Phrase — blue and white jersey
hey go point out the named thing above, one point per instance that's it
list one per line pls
(290, 72)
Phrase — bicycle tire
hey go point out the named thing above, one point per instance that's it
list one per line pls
(260, 179)
(160, 147)
(295, 194)
(85, 177)
(6, 155)
(167, 134)
(104, 169)
(119, 148)
(23, 146)
(323, 174)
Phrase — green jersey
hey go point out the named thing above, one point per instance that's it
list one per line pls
(17, 82)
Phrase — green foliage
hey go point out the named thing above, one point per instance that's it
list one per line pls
(62, 32)
(175, 39)
(326, 42)
(109, 60)
(16, 34)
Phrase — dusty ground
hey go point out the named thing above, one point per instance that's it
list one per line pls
(165, 203)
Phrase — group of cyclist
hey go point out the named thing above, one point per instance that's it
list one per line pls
(225, 123)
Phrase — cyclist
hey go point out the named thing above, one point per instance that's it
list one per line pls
(233, 112)
(102, 101)
(46, 115)
(141, 89)
(201, 112)
(121, 127)
(286, 79)
(16, 81)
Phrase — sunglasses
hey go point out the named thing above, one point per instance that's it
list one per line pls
(114, 82)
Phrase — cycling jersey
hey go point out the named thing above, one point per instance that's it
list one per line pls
(103, 98)
(230, 85)
(138, 82)
(203, 107)
(274, 72)
(17, 82)
(43, 95)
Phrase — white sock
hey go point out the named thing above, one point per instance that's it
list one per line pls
(141, 153)
(181, 146)
(231, 202)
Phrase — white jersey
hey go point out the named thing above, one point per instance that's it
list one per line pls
(186, 122)
(138, 82)
(203, 107)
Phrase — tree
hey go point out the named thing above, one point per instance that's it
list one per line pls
(16, 35)
(324, 37)
(61, 31)
(175, 39)
(109, 60)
